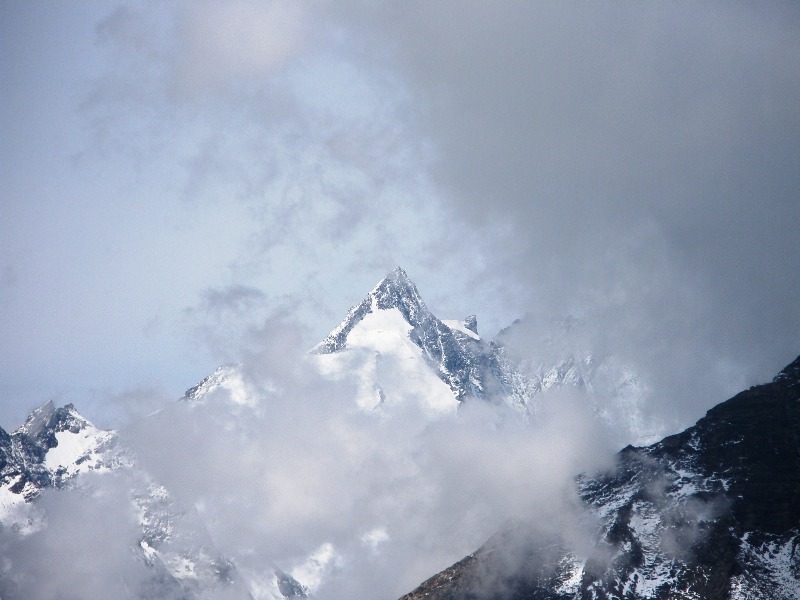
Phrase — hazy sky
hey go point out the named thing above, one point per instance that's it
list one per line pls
(175, 173)
(191, 183)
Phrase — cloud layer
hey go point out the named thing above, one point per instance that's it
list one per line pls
(202, 178)
(288, 473)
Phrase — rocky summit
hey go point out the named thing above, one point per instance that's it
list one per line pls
(51, 447)
(468, 365)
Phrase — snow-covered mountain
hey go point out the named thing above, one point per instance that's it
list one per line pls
(710, 513)
(399, 354)
(396, 350)
(48, 450)
(400, 351)
(57, 449)
(559, 353)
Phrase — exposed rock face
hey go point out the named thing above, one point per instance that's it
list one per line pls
(710, 513)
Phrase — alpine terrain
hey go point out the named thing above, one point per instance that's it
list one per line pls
(57, 448)
(399, 353)
(710, 513)
(713, 512)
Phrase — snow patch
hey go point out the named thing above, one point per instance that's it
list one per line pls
(777, 562)
(388, 367)
(572, 575)
(76, 452)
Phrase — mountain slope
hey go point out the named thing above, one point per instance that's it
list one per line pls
(710, 513)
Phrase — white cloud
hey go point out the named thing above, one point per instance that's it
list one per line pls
(634, 166)
(305, 480)
(221, 44)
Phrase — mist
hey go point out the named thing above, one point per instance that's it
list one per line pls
(633, 166)
(192, 184)
(285, 471)
(393, 496)
(83, 547)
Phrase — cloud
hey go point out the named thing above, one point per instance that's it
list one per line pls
(297, 171)
(631, 165)
(223, 44)
(235, 298)
(84, 529)
(380, 502)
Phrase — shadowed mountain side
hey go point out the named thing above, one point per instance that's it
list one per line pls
(711, 513)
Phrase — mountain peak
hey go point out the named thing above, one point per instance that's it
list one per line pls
(48, 449)
(46, 420)
(396, 291)
(37, 420)
(396, 278)
(397, 273)
(452, 350)
(471, 323)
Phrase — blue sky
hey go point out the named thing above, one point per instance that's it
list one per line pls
(177, 174)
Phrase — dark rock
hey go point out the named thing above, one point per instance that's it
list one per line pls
(721, 500)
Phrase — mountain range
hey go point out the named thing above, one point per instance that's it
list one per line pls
(711, 512)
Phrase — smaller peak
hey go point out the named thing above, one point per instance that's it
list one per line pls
(221, 375)
(67, 418)
(47, 419)
(47, 408)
